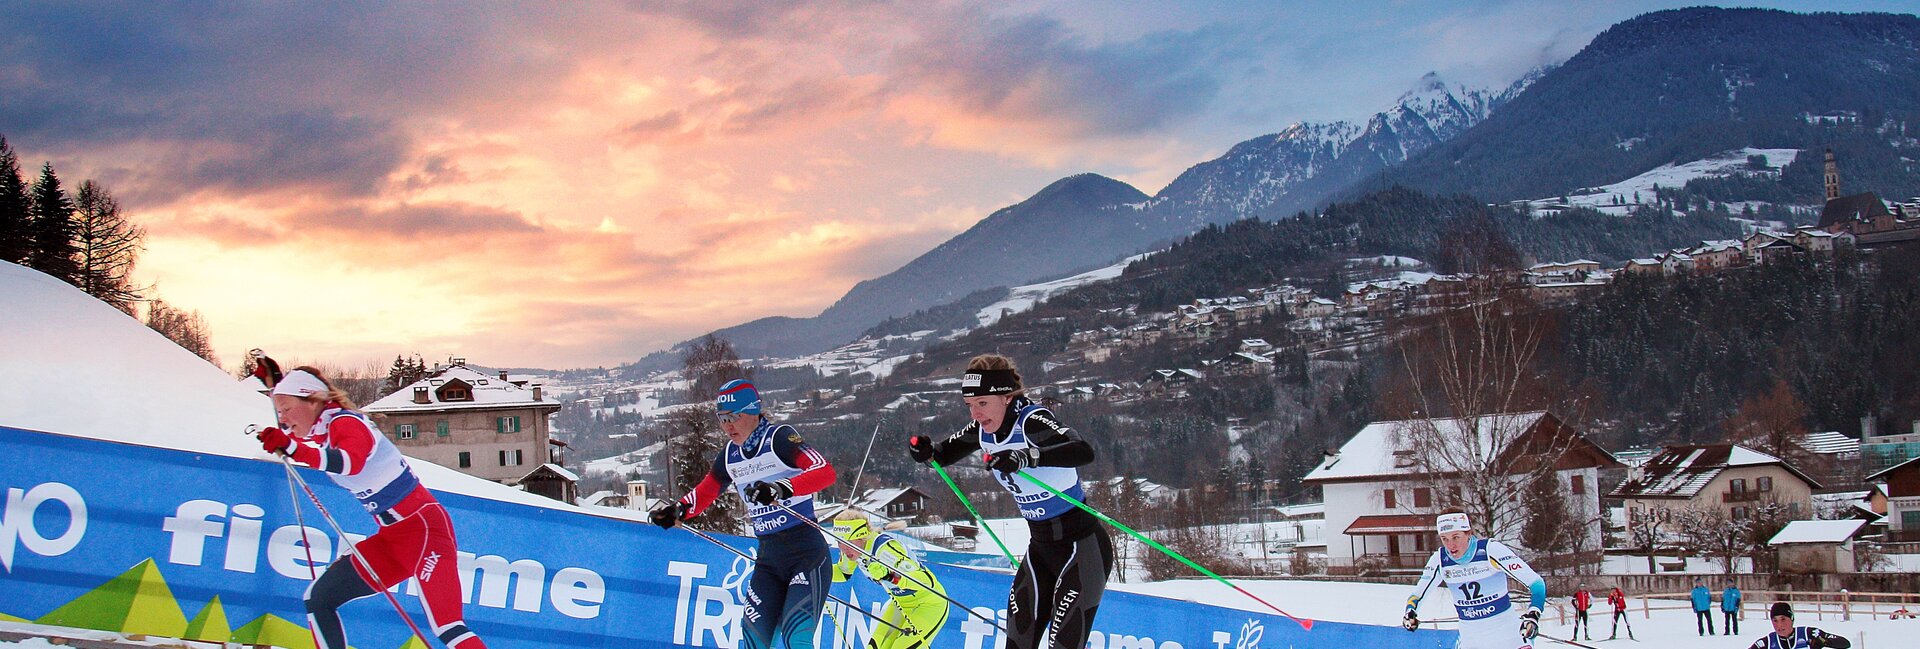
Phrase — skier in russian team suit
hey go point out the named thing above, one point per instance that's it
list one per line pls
(415, 540)
(1476, 571)
(1058, 586)
(1787, 636)
(770, 465)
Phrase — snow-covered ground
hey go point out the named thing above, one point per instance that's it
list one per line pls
(1383, 604)
(1639, 189)
(625, 463)
(1023, 298)
(875, 356)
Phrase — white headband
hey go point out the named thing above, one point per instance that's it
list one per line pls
(300, 383)
(1451, 523)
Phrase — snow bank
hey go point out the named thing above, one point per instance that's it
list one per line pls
(76, 366)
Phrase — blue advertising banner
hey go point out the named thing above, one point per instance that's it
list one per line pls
(137, 539)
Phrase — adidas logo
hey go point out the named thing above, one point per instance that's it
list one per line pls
(799, 580)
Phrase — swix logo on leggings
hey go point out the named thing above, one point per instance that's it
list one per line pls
(427, 565)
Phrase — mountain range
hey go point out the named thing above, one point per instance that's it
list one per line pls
(1088, 220)
(1665, 87)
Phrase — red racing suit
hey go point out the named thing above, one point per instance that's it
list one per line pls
(415, 540)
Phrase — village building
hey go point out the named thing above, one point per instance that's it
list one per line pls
(1903, 499)
(1816, 546)
(1380, 505)
(486, 425)
(1730, 478)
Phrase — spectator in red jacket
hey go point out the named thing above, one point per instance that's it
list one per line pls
(1619, 601)
(1582, 600)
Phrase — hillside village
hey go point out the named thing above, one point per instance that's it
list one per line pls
(1648, 511)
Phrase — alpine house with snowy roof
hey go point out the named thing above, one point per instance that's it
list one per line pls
(486, 425)
(1730, 478)
(1381, 499)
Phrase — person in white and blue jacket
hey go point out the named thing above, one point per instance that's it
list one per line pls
(1476, 570)
(1058, 586)
(1787, 636)
(777, 474)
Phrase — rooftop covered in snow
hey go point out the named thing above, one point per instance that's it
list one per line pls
(1817, 532)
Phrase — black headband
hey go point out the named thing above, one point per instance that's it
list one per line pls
(980, 383)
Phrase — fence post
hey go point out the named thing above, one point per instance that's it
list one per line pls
(1846, 605)
(1646, 613)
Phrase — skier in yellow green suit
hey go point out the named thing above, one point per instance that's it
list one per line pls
(911, 606)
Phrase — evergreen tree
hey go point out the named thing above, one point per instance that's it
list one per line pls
(404, 372)
(16, 238)
(696, 436)
(108, 247)
(51, 212)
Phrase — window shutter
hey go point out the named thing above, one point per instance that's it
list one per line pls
(500, 426)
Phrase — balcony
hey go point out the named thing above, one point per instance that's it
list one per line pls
(1742, 496)
(1376, 563)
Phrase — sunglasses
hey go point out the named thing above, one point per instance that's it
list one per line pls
(728, 417)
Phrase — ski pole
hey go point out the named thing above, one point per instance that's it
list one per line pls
(869, 556)
(1566, 642)
(269, 374)
(853, 490)
(743, 555)
(982, 522)
(300, 519)
(354, 552)
(1304, 623)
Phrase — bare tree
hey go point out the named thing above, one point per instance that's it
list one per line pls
(1645, 533)
(1712, 533)
(185, 328)
(1474, 377)
(1772, 422)
(108, 247)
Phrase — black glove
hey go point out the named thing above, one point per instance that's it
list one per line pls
(1011, 460)
(1815, 641)
(920, 449)
(767, 493)
(1530, 625)
(1411, 622)
(667, 513)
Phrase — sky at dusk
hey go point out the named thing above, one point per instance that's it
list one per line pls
(579, 183)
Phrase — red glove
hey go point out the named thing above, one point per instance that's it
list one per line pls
(274, 440)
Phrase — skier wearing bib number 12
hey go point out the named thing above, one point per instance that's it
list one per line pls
(1058, 587)
(1475, 570)
(774, 471)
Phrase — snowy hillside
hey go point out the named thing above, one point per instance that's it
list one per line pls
(126, 383)
(1621, 197)
(1023, 298)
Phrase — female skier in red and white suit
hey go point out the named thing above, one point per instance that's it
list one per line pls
(415, 540)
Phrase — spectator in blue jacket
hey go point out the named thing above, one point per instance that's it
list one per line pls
(1702, 607)
(1730, 604)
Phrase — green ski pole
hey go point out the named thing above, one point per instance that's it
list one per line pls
(1304, 623)
(976, 513)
